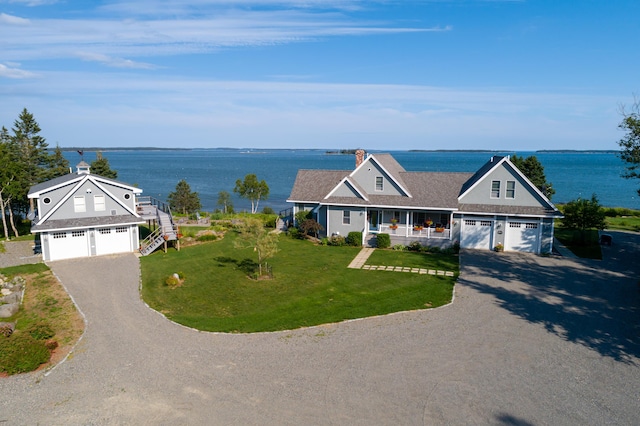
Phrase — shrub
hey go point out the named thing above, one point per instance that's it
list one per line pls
(294, 233)
(40, 330)
(21, 353)
(324, 241)
(302, 215)
(207, 237)
(354, 239)
(399, 247)
(383, 241)
(337, 240)
(173, 282)
(310, 226)
(6, 329)
(414, 246)
(268, 210)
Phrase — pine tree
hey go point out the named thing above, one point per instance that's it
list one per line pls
(534, 171)
(100, 166)
(183, 200)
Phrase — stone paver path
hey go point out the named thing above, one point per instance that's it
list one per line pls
(360, 262)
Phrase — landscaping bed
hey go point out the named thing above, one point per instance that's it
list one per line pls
(310, 285)
(47, 326)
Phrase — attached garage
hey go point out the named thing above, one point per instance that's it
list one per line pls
(65, 245)
(523, 236)
(113, 240)
(476, 234)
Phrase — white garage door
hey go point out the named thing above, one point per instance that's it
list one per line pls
(67, 245)
(522, 236)
(476, 234)
(113, 240)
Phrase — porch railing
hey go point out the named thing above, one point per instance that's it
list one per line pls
(411, 231)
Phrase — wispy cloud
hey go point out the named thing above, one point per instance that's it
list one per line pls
(114, 62)
(206, 32)
(13, 20)
(11, 72)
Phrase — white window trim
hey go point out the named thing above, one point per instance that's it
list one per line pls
(513, 190)
(498, 182)
(381, 180)
(346, 217)
(99, 206)
(79, 204)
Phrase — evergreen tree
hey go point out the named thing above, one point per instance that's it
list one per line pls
(100, 166)
(534, 171)
(183, 200)
(59, 165)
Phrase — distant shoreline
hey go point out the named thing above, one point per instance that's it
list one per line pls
(336, 151)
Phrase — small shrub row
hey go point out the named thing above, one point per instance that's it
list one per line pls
(415, 246)
(21, 353)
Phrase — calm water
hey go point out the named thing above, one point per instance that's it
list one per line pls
(210, 171)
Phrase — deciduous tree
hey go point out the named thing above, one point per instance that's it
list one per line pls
(630, 143)
(225, 203)
(584, 214)
(254, 235)
(252, 190)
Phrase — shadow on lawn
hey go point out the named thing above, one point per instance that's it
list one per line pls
(592, 303)
(247, 265)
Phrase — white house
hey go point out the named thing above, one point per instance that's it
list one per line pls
(83, 214)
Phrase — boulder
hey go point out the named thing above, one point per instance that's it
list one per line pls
(9, 310)
(12, 298)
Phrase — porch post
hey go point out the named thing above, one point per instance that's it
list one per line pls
(406, 227)
(450, 226)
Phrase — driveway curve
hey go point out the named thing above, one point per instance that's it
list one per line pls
(528, 340)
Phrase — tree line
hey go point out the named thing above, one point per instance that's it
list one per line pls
(26, 161)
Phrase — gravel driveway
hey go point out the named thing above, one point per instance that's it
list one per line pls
(529, 340)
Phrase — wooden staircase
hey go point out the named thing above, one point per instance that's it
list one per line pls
(151, 209)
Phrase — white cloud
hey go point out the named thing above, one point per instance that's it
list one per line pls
(9, 72)
(13, 20)
(114, 62)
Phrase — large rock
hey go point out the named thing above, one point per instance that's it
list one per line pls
(9, 310)
(12, 298)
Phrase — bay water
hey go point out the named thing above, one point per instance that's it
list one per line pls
(209, 171)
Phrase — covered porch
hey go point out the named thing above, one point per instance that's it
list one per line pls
(429, 227)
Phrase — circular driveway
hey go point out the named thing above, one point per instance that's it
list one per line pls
(528, 340)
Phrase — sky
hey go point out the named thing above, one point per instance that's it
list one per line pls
(380, 74)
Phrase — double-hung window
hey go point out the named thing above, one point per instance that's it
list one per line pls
(98, 203)
(495, 189)
(346, 217)
(511, 189)
(379, 183)
(78, 204)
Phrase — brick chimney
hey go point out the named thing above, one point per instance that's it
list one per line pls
(359, 157)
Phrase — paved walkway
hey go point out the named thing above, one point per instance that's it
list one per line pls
(529, 340)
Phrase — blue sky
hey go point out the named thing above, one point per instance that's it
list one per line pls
(385, 74)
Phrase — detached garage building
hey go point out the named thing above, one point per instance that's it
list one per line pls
(497, 205)
(81, 215)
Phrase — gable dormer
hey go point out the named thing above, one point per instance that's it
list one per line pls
(376, 177)
(499, 182)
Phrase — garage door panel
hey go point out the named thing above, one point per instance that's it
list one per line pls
(476, 234)
(67, 245)
(113, 240)
(522, 236)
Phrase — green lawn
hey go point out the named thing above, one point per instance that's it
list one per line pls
(312, 285)
(585, 246)
(412, 259)
(628, 223)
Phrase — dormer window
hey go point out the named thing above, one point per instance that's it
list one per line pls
(511, 189)
(79, 205)
(495, 189)
(379, 183)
